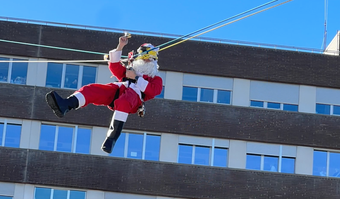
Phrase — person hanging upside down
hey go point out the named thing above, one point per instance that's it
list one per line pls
(137, 82)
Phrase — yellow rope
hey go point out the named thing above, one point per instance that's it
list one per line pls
(224, 25)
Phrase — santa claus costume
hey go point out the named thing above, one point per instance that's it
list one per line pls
(137, 82)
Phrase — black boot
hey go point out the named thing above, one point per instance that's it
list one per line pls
(113, 134)
(59, 105)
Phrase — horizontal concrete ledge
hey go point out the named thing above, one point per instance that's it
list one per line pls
(155, 178)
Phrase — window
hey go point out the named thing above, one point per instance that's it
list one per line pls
(6, 197)
(43, 193)
(11, 72)
(202, 155)
(326, 164)
(10, 134)
(69, 75)
(327, 109)
(137, 146)
(270, 163)
(274, 105)
(161, 95)
(195, 94)
(65, 139)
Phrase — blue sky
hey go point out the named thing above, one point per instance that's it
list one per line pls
(299, 23)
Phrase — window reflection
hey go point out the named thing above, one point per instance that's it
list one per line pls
(185, 154)
(19, 72)
(271, 163)
(288, 165)
(71, 76)
(323, 109)
(118, 150)
(152, 147)
(207, 95)
(189, 94)
(253, 162)
(48, 193)
(256, 103)
(65, 139)
(4, 66)
(135, 146)
(54, 73)
(202, 155)
(220, 157)
(13, 133)
(89, 75)
(320, 163)
(223, 97)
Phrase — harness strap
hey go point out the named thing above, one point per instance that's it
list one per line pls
(112, 104)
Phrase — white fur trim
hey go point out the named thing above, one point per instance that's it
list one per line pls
(126, 84)
(81, 99)
(120, 116)
(142, 84)
(136, 89)
(115, 56)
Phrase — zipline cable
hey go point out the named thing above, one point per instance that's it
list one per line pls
(224, 25)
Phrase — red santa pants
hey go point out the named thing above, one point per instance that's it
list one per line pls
(103, 94)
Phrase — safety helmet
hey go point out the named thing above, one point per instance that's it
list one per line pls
(147, 51)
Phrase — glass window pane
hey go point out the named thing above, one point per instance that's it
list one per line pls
(189, 94)
(77, 194)
(19, 72)
(71, 76)
(47, 137)
(89, 75)
(6, 197)
(59, 194)
(135, 146)
(54, 73)
(152, 147)
(161, 95)
(207, 95)
(220, 157)
(65, 135)
(118, 149)
(42, 193)
(336, 110)
(202, 155)
(323, 109)
(253, 162)
(223, 97)
(256, 103)
(273, 105)
(271, 163)
(290, 107)
(319, 163)
(288, 165)
(1, 132)
(334, 164)
(13, 132)
(185, 154)
(4, 70)
(83, 141)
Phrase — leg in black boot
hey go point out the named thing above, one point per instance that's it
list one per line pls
(59, 105)
(113, 134)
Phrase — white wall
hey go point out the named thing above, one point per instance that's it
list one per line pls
(241, 92)
(173, 86)
(307, 99)
(169, 148)
(304, 160)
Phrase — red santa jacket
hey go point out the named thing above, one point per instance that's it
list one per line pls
(150, 86)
